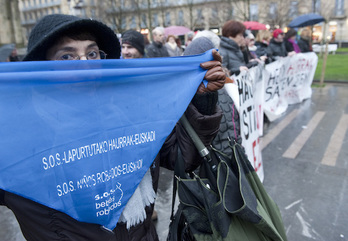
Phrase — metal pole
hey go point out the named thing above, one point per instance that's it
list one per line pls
(324, 59)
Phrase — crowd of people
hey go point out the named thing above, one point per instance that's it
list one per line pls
(238, 46)
(64, 37)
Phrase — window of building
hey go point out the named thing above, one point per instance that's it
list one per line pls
(154, 3)
(180, 18)
(144, 3)
(316, 6)
(155, 20)
(214, 13)
(273, 10)
(123, 22)
(143, 23)
(133, 24)
(254, 12)
(199, 16)
(339, 7)
(293, 11)
(167, 19)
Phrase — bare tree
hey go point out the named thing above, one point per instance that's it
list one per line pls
(279, 13)
(111, 12)
(163, 7)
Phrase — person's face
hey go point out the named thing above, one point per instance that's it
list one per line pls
(239, 39)
(280, 37)
(251, 42)
(69, 49)
(171, 40)
(158, 37)
(129, 52)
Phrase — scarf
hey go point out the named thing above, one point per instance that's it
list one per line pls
(172, 45)
(134, 212)
(294, 44)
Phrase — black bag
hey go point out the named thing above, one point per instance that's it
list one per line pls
(179, 229)
(225, 200)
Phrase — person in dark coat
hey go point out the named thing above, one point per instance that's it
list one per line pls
(290, 41)
(304, 41)
(276, 48)
(250, 58)
(230, 122)
(230, 47)
(157, 48)
(65, 37)
(262, 40)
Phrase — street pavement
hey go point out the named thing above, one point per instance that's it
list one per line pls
(306, 171)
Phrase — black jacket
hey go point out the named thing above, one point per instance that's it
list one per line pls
(304, 45)
(229, 125)
(261, 49)
(40, 223)
(155, 50)
(288, 46)
(276, 50)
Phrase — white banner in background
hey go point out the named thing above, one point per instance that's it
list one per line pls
(251, 115)
(288, 81)
(270, 90)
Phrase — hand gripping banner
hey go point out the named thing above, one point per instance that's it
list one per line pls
(78, 136)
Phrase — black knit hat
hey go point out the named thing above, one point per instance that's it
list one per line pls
(135, 39)
(52, 27)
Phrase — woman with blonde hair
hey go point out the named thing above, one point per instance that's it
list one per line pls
(261, 42)
(304, 41)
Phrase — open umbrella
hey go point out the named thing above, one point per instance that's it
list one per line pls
(252, 25)
(306, 20)
(176, 30)
(5, 51)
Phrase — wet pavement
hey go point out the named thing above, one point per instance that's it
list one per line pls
(305, 158)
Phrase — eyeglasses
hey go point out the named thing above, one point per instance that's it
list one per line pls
(89, 56)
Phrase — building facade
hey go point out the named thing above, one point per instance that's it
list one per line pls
(144, 15)
(11, 30)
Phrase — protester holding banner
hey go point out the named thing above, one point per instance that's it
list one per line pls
(231, 41)
(132, 45)
(290, 41)
(64, 37)
(304, 41)
(276, 48)
(262, 40)
(249, 57)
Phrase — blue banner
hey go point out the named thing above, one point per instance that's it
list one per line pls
(78, 136)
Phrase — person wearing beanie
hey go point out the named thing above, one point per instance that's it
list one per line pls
(132, 45)
(65, 37)
(276, 48)
(157, 49)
